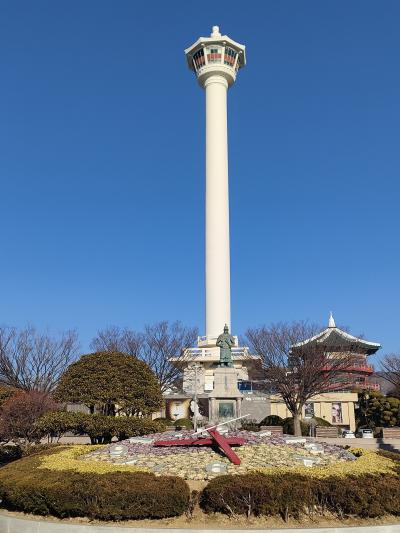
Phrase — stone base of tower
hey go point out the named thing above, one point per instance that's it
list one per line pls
(225, 400)
(217, 388)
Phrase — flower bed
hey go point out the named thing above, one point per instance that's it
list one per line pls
(57, 482)
(36, 485)
(195, 462)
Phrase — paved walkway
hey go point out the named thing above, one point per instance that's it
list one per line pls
(10, 524)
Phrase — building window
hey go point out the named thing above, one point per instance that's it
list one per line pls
(199, 59)
(225, 410)
(230, 56)
(309, 410)
(214, 54)
(337, 417)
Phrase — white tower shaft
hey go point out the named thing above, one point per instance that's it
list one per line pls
(217, 274)
(216, 61)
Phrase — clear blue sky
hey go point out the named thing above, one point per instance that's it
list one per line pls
(102, 164)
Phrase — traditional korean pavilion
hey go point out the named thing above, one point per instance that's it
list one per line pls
(334, 340)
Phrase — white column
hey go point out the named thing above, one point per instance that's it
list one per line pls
(217, 207)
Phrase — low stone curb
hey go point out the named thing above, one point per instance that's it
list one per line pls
(9, 524)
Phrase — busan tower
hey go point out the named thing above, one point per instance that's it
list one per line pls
(216, 61)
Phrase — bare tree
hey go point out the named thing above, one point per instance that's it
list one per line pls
(295, 370)
(115, 339)
(391, 367)
(155, 345)
(30, 360)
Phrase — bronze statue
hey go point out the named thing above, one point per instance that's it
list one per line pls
(225, 342)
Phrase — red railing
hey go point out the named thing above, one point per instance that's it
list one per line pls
(354, 367)
(347, 385)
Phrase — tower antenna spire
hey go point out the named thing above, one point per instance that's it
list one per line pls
(215, 33)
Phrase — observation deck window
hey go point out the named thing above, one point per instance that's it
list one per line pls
(230, 56)
(199, 59)
(214, 54)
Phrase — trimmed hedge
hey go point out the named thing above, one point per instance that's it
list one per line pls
(292, 495)
(272, 420)
(113, 496)
(288, 426)
(248, 424)
(183, 423)
(100, 428)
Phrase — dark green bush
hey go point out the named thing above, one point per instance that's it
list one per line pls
(100, 428)
(321, 422)
(272, 420)
(55, 424)
(125, 427)
(250, 425)
(183, 423)
(288, 426)
(113, 496)
(368, 496)
(258, 494)
(167, 421)
(291, 495)
(9, 452)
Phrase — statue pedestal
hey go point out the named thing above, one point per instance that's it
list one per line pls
(225, 399)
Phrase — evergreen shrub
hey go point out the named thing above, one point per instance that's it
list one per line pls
(9, 452)
(291, 495)
(288, 426)
(183, 423)
(249, 424)
(100, 428)
(272, 420)
(110, 496)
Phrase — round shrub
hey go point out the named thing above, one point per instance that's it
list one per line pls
(183, 423)
(112, 383)
(111, 496)
(272, 420)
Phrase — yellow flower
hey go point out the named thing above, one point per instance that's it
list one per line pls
(69, 459)
(367, 462)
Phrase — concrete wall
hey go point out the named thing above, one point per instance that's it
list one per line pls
(257, 407)
(323, 407)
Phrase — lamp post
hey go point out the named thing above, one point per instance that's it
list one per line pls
(196, 367)
(366, 396)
